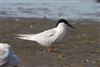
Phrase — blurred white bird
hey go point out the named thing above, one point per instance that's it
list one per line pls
(7, 56)
(49, 37)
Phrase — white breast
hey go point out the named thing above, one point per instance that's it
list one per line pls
(61, 32)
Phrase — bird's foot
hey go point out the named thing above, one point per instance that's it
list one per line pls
(50, 50)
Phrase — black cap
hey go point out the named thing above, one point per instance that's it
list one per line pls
(64, 21)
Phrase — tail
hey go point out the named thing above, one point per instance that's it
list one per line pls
(26, 36)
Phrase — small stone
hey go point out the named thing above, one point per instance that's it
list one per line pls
(94, 61)
(76, 46)
(61, 56)
(86, 60)
(31, 26)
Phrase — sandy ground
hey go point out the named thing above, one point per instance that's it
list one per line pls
(81, 47)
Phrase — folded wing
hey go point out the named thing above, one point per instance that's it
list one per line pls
(34, 37)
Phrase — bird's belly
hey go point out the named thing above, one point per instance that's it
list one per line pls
(45, 42)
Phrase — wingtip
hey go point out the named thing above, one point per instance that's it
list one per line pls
(19, 37)
(25, 36)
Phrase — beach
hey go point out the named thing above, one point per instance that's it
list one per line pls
(81, 47)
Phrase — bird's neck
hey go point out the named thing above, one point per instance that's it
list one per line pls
(61, 26)
(61, 29)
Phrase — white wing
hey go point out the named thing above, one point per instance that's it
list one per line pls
(7, 55)
(4, 52)
(34, 37)
(47, 33)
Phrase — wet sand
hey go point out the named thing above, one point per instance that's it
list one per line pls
(81, 47)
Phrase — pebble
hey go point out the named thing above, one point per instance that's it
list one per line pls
(31, 26)
(94, 62)
(61, 56)
(86, 60)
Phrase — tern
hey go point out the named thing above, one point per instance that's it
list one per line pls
(7, 56)
(49, 37)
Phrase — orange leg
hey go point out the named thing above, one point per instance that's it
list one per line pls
(50, 49)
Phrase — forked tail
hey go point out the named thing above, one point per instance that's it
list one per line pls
(26, 36)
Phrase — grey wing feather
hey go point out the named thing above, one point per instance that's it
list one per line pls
(47, 33)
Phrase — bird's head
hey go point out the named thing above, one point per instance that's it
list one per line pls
(66, 22)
